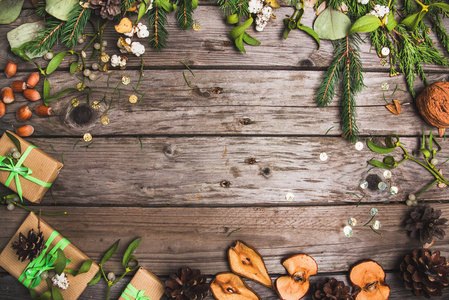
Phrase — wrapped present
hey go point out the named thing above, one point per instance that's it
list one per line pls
(29, 272)
(32, 174)
(143, 286)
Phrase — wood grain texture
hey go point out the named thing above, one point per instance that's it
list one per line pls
(188, 171)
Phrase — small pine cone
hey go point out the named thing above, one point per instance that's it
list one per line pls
(29, 247)
(331, 289)
(425, 224)
(425, 273)
(186, 284)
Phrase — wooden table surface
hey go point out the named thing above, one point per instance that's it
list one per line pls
(167, 190)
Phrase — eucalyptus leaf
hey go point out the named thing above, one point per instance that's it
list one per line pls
(380, 164)
(130, 250)
(60, 9)
(46, 89)
(55, 62)
(26, 33)
(10, 10)
(96, 278)
(61, 262)
(411, 22)
(15, 141)
(332, 25)
(110, 252)
(56, 294)
(443, 6)
(392, 23)
(250, 40)
(310, 32)
(366, 23)
(232, 19)
(239, 30)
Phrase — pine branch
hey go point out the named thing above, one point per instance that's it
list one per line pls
(40, 8)
(184, 14)
(127, 4)
(75, 25)
(231, 7)
(158, 18)
(48, 36)
(440, 31)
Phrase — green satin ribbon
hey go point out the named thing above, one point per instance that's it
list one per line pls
(134, 293)
(7, 164)
(31, 276)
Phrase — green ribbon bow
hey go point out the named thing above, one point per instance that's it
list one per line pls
(7, 164)
(31, 276)
(134, 293)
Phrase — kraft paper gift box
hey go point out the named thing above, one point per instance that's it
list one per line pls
(143, 285)
(9, 259)
(43, 168)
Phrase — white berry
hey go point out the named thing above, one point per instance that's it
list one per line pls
(434, 161)
(86, 72)
(80, 40)
(10, 206)
(111, 276)
(104, 43)
(44, 275)
(95, 66)
(16, 154)
(97, 46)
(48, 55)
(13, 149)
(412, 197)
(409, 202)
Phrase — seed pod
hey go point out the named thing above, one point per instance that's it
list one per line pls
(2, 109)
(23, 113)
(18, 86)
(25, 130)
(32, 80)
(31, 95)
(43, 111)
(7, 95)
(10, 69)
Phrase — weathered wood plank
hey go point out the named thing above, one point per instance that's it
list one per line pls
(11, 289)
(188, 171)
(197, 237)
(276, 102)
(210, 46)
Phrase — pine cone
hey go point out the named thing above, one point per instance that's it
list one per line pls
(331, 289)
(29, 247)
(108, 9)
(425, 224)
(425, 273)
(186, 284)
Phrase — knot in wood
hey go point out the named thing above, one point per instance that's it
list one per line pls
(225, 183)
(266, 172)
(251, 160)
(82, 114)
(245, 121)
(170, 150)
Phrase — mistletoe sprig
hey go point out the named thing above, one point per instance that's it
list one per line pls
(429, 148)
(294, 22)
(128, 260)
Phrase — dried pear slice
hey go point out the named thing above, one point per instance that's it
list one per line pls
(228, 286)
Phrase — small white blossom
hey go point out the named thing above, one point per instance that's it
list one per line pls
(131, 33)
(364, 2)
(143, 33)
(137, 48)
(60, 281)
(117, 61)
(255, 6)
(380, 11)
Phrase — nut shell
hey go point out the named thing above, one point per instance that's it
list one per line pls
(7, 95)
(31, 95)
(433, 105)
(43, 111)
(25, 130)
(32, 80)
(2, 109)
(10, 69)
(18, 86)
(23, 113)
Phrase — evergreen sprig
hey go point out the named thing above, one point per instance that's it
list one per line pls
(75, 25)
(127, 4)
(184, 14)
(230, 7)
(157, 17)
(48, 36)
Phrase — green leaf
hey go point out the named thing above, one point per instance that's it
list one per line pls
(380, 164)
(60, 9)
(232, 19)
(142, 10)
(443, 6)
(96, 278)
(61, 262)
(391, 22)
(250, 40)
(379, 149)
(46, 89)
(239, 44)
(431, 141)
(56, 294)
(73, 67)
(239, 30)
(390, 142)
(366, 23)
(286, 33)
(130, 250)
(332, 25)
(389, 160)
(34, 294)
(85, 267)
(165, 4)
(15, 141)
(10, 10)
(194, 4)
(24, 34)
(411, 22)
(55, 62)
(46, 295)
(110, 252)
(310, 32)
(59, 95)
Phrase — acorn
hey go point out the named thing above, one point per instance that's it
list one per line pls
(43, 110)
(7, 95)
(2, 109)
(25, 130)
(18, 86)
(31, 95)
(23, 113)
(10, 69)
(32, 80)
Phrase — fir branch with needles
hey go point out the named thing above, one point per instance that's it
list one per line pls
(48, 36)
(230, 7)
(127, 4)
(184, 14)
(158, 18)
(74, 27)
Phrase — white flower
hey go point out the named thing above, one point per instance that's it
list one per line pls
(255, 6)
(363, 1)
(143, 33)
(380, 11)
(267, 10)
(137, 48)
(131, 33)
(60, 281)
(117, 61)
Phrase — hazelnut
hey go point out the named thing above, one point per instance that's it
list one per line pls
(31, 95)
(23, 113)
(25, 130)
(2, 109)
(7, 95)
(32, 80)
(43, 111)
(18, 86)
(10, 69)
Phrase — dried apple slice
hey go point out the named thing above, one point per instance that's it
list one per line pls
(295, 285)
(228, 286)
(245, 261)
(368, 278)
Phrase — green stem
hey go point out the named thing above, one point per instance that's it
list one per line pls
(428, 187)
(369, 221)
(109, 290)
(36, 211)
(434, 173)
(121, 277)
